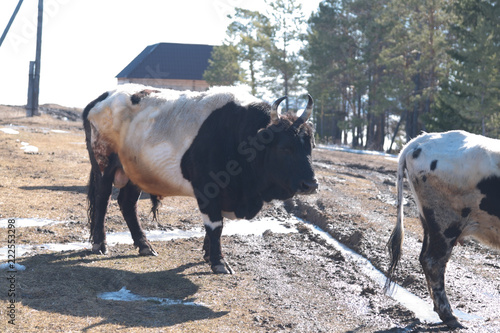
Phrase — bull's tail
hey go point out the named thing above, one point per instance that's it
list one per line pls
(95, 173)
(395, 243)
(91, 198)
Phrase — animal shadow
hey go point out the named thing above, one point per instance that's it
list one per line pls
(70, 283)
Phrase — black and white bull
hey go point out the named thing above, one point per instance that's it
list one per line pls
(455, 179)
(228, 149)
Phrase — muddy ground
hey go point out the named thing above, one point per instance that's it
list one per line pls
(292, 282)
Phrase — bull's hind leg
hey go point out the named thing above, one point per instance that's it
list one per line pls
(212, 247)
(436, 251)
(127, 200)
(100, 187)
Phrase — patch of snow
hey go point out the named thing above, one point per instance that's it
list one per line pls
(58, 131)
(127, 296)
(9, 130)
(112, 239)
(362, 152)
(257, 227)
(153, 235)
(26, 222)
(12, 267)
(28, 149)
(236, 227)
(25, 250)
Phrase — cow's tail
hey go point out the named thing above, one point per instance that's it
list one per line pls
(395, 243)
(95, 173)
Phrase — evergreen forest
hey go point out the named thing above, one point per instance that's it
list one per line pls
(380, 71)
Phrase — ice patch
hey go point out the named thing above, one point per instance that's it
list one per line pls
(422, 310)
(112, 239)
(9, 130)
(24, 222)
(12, 267)
(154, 236)
(127, 296)
(59, 131)
(236, 227)
(257, 227)
(25, 250)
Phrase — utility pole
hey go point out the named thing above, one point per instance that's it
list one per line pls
(10, 21)
(34, 76)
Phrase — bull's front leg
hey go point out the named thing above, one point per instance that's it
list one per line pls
(212, 246)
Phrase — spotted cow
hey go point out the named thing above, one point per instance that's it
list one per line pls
(455, 180)
(228, 149)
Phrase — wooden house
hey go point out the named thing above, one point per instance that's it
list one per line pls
(169, 65)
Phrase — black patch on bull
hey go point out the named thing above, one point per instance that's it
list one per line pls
(452, 231)
(136, 98)
(416, 152)
(236, 161)
(434, 165)
(466, 211)
(490, 187)
(432, 228)
(91, 105)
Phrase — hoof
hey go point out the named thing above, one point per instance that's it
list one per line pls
(99, 248)
(147, 252)
(146, 249)
(454, 324)
(222, 268)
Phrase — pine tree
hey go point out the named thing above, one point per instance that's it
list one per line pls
(283, 65)
(223, 68)
(249, 32)
(472, 92)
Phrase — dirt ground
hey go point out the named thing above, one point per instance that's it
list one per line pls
(293, 282)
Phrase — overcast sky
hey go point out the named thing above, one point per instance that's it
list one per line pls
(86, 43)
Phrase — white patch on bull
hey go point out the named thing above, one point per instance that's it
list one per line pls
(157, 169)
(464, 160)
(457, 154)
(210, 224)
(152, 136)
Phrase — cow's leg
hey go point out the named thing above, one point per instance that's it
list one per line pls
(100, 187)
(436, 251)
(127, 200)
(206, 248)
(212, 245)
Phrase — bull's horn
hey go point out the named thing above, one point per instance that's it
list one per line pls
(307, 112)
(274, 109)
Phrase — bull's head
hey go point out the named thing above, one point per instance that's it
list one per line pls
(287, 161)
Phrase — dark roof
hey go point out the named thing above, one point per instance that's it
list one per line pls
(169, 61)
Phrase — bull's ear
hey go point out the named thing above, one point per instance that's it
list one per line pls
(274, 109)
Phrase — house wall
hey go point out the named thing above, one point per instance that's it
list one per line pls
(194, 85)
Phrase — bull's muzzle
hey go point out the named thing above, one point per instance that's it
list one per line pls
(308, 186)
